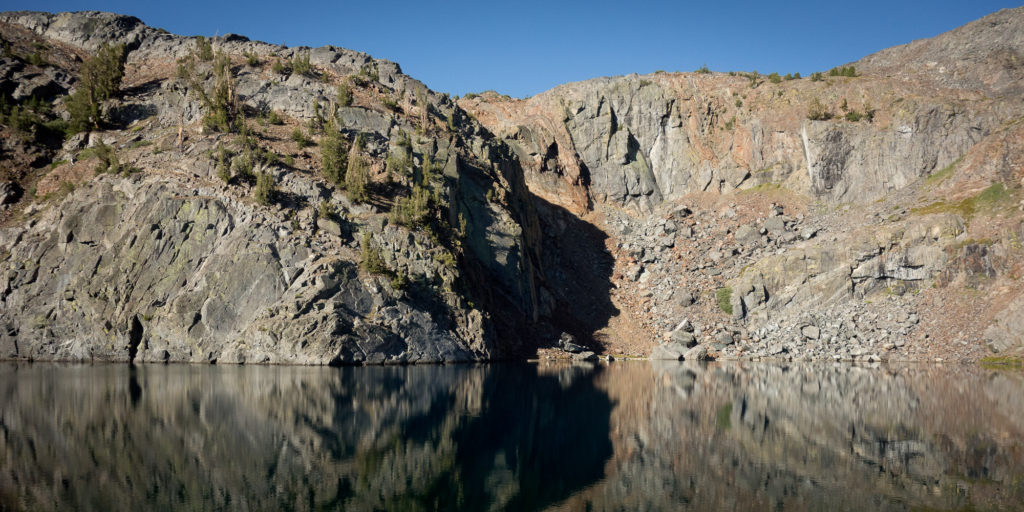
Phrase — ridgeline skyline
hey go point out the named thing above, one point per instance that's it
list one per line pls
(532, 46)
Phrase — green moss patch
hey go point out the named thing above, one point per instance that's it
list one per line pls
(1002, 362)
(724, 297)
(994, 197)
(946, 172)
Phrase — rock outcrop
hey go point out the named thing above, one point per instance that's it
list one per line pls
(140, 269)
(167, 262)
(833, 217)
(901, 180)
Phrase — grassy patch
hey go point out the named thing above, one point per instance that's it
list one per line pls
(973, 241)
(993, 197)
(58, 195)
(946, 172)
(1002, 362)
(764, 187)
(724, 297)
(86, 154)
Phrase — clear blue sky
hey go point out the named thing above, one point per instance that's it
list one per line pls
(527, 46)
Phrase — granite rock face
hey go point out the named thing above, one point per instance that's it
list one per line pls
(758, 208)
(907, 177)
(169, 263)
(636, 142)
(141, 269)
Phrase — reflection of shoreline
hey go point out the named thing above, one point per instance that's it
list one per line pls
(811, 436)
(295, 437)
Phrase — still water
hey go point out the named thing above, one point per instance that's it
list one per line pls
(624, 436)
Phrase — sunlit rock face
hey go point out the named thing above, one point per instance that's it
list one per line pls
(639, 436)
(609, 209)
(173, 262)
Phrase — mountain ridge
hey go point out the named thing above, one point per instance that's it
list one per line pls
(749, 215)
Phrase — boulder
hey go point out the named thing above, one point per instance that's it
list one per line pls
(10, 192)
(683, 338)
(585, 356)
(725, 338)
(567, 342)
(329, 225)
(698, 353)
(670, 351)
(685, 325)
(775, 225)
(1006, 333)
(746, 234)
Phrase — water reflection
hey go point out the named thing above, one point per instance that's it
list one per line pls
(630, 436)
(375, 438)
(811, 437)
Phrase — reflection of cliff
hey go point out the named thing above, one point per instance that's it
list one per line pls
(298, 438)
(631, 436)
(810, 438)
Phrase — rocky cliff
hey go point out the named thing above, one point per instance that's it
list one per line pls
(870, 212)
(175, 256)
(845, 215)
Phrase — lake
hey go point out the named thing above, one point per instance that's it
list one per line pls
(627, 435)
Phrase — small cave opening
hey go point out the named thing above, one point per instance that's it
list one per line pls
(134, 339)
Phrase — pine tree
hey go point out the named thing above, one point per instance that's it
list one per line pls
(332, 155)
(357, 177)
(344, 95)
(99, 79)
(264, 191)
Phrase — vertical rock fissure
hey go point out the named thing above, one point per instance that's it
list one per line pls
(134, 339)
(807, 151)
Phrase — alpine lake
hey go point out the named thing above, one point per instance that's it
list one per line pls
(625, 435)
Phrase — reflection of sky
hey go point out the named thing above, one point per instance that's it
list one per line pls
(521, 437)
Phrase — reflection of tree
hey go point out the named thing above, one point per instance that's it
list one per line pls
(394, 438)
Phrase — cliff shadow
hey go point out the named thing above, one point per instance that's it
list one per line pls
(577, 273)
(514, 453)
(563, 281)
